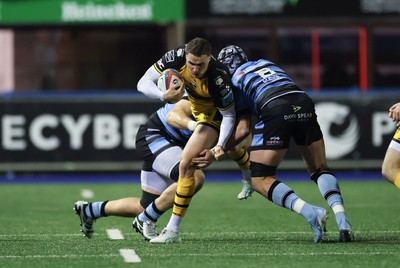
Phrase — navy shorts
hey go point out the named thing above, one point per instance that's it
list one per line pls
(289, 116)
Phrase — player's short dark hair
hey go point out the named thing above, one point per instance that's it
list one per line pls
(198, 47)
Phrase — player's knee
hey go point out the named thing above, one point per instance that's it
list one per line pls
(389, 173)
(174, 174)
(319, 172)
(147, 198)
(262, 170)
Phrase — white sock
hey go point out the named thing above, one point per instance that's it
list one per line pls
(174, 223)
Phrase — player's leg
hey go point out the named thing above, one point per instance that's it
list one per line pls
(89, 212)
(163, 173)
(264, 181)
(271, 139)
(315, 159)
(391, 162)
(203, 138)
(242, 159)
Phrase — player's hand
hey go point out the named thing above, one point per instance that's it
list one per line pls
(174, 94)
(204, 159)
(218, 152)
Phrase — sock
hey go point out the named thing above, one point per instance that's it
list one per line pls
(397, 181)
(329, 188)
(174, 223)
(151, 213)
(246, 175)
(184, 193)
(282, 195)
(241, 157)
(95, 210)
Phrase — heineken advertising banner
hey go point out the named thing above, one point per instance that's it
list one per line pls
(90, 11)
(98, 132)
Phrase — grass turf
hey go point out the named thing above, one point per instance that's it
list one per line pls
(39, 229)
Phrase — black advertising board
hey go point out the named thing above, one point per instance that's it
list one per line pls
(292, 8)
(91, 132)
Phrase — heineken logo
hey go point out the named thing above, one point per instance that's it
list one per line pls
(119, 11)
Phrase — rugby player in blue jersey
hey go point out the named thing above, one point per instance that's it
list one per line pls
(160, 145)
(285, 111)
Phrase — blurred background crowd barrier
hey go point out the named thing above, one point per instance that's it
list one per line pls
(69, 69)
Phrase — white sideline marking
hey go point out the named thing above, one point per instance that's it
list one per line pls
(87, 193)
(115, 234)
(130, 256)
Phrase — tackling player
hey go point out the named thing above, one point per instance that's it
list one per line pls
(284, 111)
(160, 146)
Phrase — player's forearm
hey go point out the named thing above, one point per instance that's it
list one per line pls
(147, 84)
(181, 120)
(227, 125)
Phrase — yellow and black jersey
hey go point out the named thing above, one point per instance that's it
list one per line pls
(207, 94)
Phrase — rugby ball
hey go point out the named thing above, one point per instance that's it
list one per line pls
(168, 79)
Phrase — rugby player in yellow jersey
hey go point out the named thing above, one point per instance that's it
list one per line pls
(208, 85)
(391, 162)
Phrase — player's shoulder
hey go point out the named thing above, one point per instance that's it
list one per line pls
(174, 58)
(216, 69)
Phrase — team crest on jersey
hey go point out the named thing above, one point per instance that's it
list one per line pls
(193, 84)
(170, 56)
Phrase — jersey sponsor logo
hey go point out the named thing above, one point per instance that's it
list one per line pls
(169, 56)
(219, 81)
(227, 99)
(274, 141)
(160, 64)
(193, 84)
(180, 52)
(301, 116)
(340, 128)
(296, 108)
(226, 90)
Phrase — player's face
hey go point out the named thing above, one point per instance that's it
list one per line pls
(197, 65)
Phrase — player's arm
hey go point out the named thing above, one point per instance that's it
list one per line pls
(179, 116)
(241, 132)
(394, 112)
(148, 86)
(227, 125)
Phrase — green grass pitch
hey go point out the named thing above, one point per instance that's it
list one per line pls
(39, 229)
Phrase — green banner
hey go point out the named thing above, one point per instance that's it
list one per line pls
(15, 12)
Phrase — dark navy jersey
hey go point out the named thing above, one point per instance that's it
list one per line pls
(262, 81)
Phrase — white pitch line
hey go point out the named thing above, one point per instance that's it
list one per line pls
(130, 256)
(115, 234)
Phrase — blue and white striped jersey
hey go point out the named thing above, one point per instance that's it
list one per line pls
(262, 81)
